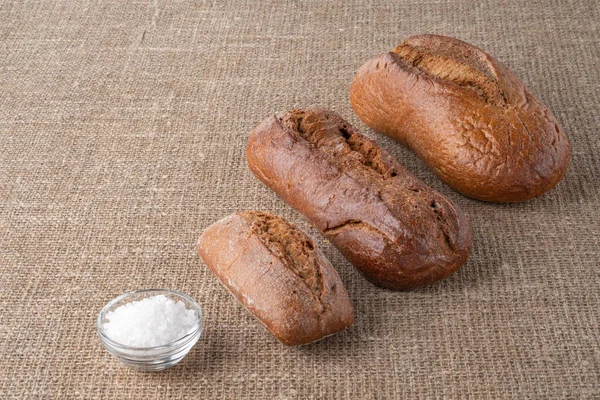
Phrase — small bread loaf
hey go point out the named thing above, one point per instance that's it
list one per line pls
(277, 273)
(466, 115)
(395, 229)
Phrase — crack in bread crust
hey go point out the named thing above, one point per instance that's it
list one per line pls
(290, 245)
(354, 224)
(463, 69)
(334, 137)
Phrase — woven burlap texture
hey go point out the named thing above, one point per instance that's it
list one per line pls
(122, 136)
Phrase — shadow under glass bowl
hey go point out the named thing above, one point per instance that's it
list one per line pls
(150, 358)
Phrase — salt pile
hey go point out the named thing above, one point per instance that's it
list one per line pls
(153, 321)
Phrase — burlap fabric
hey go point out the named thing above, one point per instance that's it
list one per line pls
(123, 127)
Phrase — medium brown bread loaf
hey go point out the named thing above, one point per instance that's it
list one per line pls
(278, 274)
(396, 230)
(466, 115)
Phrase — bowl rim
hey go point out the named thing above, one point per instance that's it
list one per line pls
(174, 344)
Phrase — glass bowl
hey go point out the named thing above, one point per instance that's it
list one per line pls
(150, 358)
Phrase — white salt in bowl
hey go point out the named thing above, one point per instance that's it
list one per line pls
(154, 358)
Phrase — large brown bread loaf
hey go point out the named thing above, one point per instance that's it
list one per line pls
(396, 230)
(277, 273)
(466, 115)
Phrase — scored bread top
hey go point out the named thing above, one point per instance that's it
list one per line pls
(468, 67)
(331, 135)
(290, 245)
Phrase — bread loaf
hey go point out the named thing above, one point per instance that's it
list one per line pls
(466, 115)
(278, 274)
(396, 230)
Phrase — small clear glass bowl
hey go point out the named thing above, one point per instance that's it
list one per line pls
(150, 358)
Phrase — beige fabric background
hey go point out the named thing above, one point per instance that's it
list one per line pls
(123, 126)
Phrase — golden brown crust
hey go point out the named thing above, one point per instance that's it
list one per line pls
(278, 274)
(396, 230)
(466, 115)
